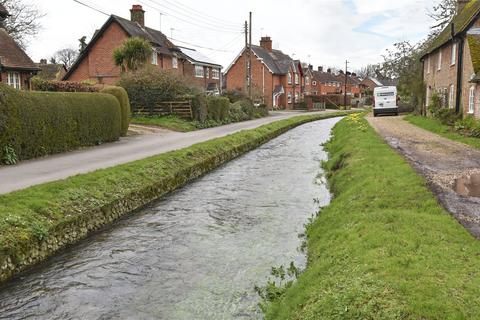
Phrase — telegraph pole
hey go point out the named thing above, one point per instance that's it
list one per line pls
(250, 59)
(346, 80)
(246, 56)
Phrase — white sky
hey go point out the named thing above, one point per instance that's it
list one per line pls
(324, 32)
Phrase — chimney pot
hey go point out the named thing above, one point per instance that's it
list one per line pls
(266, 43)
(43, 61)
(310, 67)
(320, 69)
(329, 70)
(137, 14)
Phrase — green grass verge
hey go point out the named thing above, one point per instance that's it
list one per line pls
(435, 126)
(38, 221)
(384, 248)
(168, 122)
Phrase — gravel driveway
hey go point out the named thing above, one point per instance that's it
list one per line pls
(440, 161)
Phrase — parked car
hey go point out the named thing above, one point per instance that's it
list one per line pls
(385, 101)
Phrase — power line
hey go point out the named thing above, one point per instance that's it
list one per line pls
(197, 46)
(197, 22)
(89, 6)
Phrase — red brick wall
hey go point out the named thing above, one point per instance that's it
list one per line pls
(24, 79)
(189, 74)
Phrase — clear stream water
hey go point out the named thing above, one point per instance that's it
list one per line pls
(195, 254)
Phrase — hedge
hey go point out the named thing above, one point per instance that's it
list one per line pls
(217, 108)
(34, 124)
(63, 86)
(122, 97)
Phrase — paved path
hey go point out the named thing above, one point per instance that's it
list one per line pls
(441, 161)
(51, 168)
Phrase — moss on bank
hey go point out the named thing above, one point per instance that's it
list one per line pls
(38, 221)
(384, 248)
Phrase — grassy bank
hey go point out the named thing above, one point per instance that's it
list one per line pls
(435, 126)
(168, 122)
(38, 221)
(384, 248)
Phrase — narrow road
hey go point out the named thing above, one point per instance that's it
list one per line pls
(57, 167)
(441, 161)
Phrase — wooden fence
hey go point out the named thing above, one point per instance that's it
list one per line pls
(183, 109)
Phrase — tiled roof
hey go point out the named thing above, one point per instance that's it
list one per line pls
(12, 56)
(276, 61)
(324, 77)
(461, 22)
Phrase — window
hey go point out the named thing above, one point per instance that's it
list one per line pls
(207, 73)
(13, 80)
(154, 57)
(428, 65)
(454, 54)
(289, 97)
(471, 100)
(451, 98)
(199, 72)
(296, 79)
(175, 63)
(307, 80)
(289, 78)
(439, 66)
(427, 102)
(296, 96)
(215, 74)
(314, 83)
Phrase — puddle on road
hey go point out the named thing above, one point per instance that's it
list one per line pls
(468, 186)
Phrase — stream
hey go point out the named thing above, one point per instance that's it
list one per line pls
(195, 254)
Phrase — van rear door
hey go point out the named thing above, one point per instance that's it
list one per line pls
(386, 99)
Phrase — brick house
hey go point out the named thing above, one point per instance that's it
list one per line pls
(51, 71)
(370, 83)
(325, 82)
(353, 84)
(96, 60)
(16, 67)
(276, 78)
(451, 63)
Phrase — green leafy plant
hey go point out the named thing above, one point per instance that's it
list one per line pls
(133, 54)
(9, 156)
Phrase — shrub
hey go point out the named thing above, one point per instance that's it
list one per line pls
(34, 124)
(122, 98)
(149, 86)
(63, 86)
(241, 110)
(235, 95)
(447, 116)
(260, 111)
(468, 126)
(217, 108)
(199, 107)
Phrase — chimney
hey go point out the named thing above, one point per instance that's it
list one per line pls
(320, 69)
(341, 72)
(43, 62)
(137, 14)
(266, 43)
(329, 70)
(310, 67)
(354, 74)
(461, 4)
(3, 14)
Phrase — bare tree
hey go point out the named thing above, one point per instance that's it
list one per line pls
(442, 13)
(67, 56)
(23, 21)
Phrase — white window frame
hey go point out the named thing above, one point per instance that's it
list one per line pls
(289, 97)
(307, 81)
(439, 66)
(297, 79)
(154, 57)
(199, 72)
(471, 100)
(297, 97)
(207, 73)
(428, 96)
(454, 55)
(429, 59)
(174, 62)
(451, 98)
(215, 74)
(289, 78)
(14, 80)
(314, 83)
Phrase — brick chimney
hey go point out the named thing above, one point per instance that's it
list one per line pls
(137, 14)
(43, 62)
(310, 67)
(3, 14)
(320, 69)
(266, 43)
(461, 4)
(329, 70)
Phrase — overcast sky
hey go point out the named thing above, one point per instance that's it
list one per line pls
(324, 32)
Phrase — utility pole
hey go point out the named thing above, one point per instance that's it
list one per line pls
(246, 57)
(250, 59)
(346, 80)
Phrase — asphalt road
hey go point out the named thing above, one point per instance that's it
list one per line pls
(57, 167)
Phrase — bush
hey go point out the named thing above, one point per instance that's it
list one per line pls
(217, 108)
(447, 116)
(149, 86)
(241, 110)
(199, 107)
(122, 98)
(63, 86)
(260, 111)
(34, 124)
(468, 126)
(235, 96)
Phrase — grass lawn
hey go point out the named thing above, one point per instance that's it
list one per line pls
(169, 122)
(384, 248)
(435, 126)
(30, 216)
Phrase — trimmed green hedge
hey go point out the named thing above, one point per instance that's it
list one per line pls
(34, 124)
(217, 108)
(122, 97)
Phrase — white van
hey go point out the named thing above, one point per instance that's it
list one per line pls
(385, 101)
